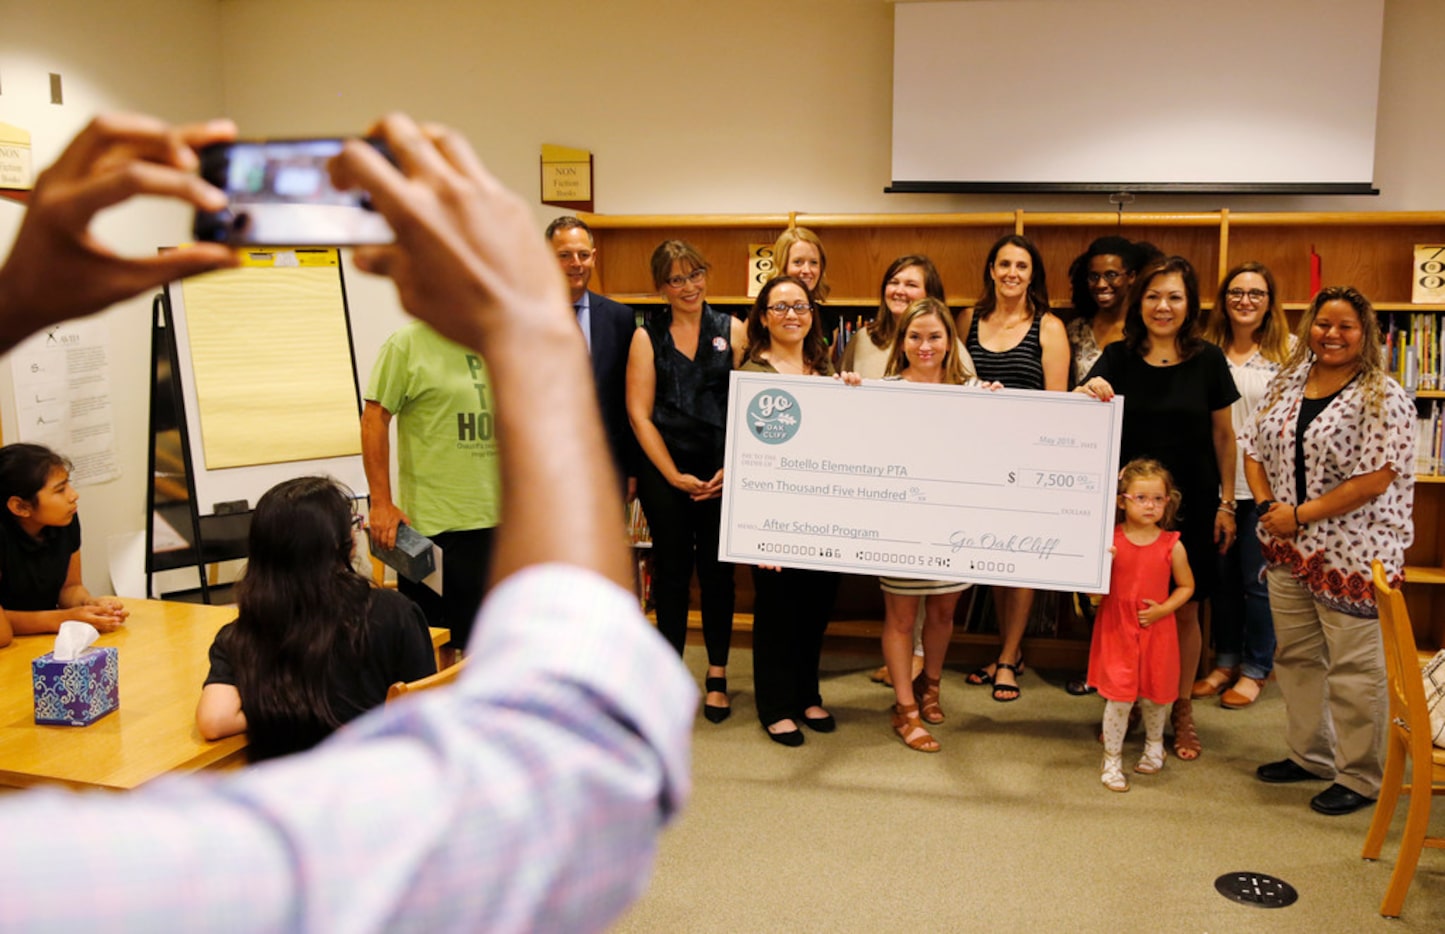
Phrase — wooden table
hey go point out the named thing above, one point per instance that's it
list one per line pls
(163, 661)
(163, 656)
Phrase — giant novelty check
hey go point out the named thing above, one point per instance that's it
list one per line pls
(921, 481)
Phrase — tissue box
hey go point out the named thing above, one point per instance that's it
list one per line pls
(78, 692)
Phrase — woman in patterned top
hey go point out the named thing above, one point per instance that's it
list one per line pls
(1329, 455)
(1249, 326)
(1099, 280)
(1016, 341)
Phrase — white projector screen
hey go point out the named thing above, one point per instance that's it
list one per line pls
(1258, 96)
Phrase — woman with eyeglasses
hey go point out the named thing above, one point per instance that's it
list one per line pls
(791, 606)
(677, 396)
(1016, 341)
(314, 644)
(1249, 326)
(1099, 280)
(1177, 397)
(1330, 455)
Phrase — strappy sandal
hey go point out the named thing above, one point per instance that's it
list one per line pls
(1112, 773)
(925, 692)
(1186, 737)
(1000, 690)
(979, 676)
(911, 730)
(1152, 760)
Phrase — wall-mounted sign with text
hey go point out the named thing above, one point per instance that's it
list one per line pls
(15, 171)
(567, 177)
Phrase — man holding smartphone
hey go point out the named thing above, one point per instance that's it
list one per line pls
(607, 327)
(529, 795)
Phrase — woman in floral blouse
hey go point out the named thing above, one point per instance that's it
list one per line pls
(1329, 455)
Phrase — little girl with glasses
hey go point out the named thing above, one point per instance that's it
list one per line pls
(1132, 659)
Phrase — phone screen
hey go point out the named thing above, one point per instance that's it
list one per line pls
(281, 195)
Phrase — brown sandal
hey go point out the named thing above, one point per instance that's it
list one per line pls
(911, 730)
(925, 693)
(1186, 737)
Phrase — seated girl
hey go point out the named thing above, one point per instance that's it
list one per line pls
(40, 581)
(314, 644)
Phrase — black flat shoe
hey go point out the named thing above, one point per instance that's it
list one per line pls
(1080, 688)
(1337, 800)
(791, 738)
(823, 724)
(714, 713)
(1286, 771)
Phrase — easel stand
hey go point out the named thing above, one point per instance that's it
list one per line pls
(186, 538)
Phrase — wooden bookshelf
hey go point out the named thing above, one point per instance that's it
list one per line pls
(1371, 250)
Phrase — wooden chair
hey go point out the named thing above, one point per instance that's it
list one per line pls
(444, 677)
(1407, 735)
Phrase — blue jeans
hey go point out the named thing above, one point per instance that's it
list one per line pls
(1241, 622)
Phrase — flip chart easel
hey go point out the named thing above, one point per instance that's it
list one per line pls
(254, 382)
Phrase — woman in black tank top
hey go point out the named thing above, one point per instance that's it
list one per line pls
(1014, 339)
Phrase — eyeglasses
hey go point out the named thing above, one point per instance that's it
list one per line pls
(1254, 295)
(695, 277)
(781, 310)
(1112, 276)
(1146, 500)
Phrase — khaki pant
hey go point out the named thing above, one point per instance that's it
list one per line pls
(1331, 671)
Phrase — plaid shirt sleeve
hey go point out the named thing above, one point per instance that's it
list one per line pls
(527, 797)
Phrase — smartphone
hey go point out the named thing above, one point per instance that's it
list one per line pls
(281, 195)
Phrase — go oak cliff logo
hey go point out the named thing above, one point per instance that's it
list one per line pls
(774, 416)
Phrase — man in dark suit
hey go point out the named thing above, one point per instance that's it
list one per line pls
(607, 327)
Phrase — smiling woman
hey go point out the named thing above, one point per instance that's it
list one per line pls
(677, 392)
(1177, 397)
(1014, 340)
(1329, 455)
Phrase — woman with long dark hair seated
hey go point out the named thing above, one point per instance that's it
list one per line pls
(314, 644)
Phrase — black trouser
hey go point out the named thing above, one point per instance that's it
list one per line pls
(683, 532)
(466, 567)
(790, 614)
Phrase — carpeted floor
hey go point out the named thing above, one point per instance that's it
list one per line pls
(1007, 828)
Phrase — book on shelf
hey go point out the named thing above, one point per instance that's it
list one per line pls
(1429, 438)
(638, 534)
(1415, 350)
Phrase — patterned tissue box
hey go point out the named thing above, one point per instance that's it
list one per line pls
(79, 692)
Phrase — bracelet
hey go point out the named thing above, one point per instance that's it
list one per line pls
(1298, 524)
(1264, 504)
(1228, 502)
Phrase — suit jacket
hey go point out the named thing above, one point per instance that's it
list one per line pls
(612, 326)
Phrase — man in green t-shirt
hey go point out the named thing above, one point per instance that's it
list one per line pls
(440, 394)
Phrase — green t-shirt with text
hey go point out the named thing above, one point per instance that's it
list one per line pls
(440, 395)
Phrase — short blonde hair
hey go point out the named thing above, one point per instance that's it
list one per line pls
(1145, 468)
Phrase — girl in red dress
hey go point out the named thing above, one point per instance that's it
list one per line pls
(1131, 659)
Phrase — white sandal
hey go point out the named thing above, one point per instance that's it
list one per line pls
(1152, 760)
(1112, 774)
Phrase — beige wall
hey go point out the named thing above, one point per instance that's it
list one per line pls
(737, 106)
